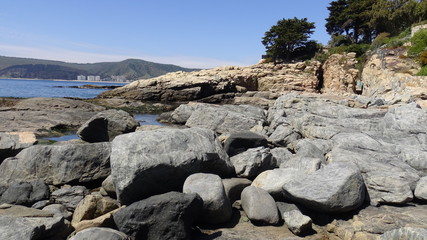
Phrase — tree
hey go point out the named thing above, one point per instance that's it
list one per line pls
(288, 37)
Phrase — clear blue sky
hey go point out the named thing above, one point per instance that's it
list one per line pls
(188, 33)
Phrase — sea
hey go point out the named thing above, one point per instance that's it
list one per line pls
(20, 88)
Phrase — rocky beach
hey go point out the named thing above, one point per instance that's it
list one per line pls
(269, 151)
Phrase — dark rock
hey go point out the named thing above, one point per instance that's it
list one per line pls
(167, 216)
(153, 162)
(69, 196)
(234, 186)
(241, 141)
(106, 125)
(25, 193)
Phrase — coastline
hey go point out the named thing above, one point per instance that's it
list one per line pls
(62, 80)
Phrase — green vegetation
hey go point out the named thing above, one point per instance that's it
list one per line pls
(131, 69)
(288, 40)
(419, 43)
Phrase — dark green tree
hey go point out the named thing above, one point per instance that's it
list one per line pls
(288, 37)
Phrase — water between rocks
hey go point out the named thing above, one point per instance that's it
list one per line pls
(143, 119)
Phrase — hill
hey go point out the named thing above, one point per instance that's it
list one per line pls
(130, 69)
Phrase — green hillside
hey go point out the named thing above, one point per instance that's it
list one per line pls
(130, 69)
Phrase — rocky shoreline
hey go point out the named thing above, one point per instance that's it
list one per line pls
(277, 164)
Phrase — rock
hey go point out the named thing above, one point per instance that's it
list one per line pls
(93, 206)
(32, 228)
(406, 233)
(100, 233)
(21, 211)
(272, 181)
(11, 143)
(241, 141)
(106, 125)
(105, 220)
(25, 193)
(42, 115)
(340, 74)
(259, 206)
(233, 187)
(58, 210)
(148, 163)
(226, 118)
(284, 135)
(69, 196)
(338, 187)
(252, 162)
(216, 205)
(297, 222)
(166, 216)
(58, 164)
(180, 86)
(281, 155)
(108, 186)
(306, 164)
(421, 189)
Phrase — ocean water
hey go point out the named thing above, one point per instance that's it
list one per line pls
(49, 88)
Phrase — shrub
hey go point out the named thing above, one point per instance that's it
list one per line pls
(423, 58)
(381, 39)
(423, 71)
(419, 43)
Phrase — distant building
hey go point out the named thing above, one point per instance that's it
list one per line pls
(93, 78)
(97, 78)
(81, 77)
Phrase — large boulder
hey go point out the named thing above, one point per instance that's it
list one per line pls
(234, 186)
(338, 187)
(407, 233)
(166, 216)
(106, 125)
(153, 162)
(259, 206)
(58, 164)
(421, 189)
(216, 205)
(13, 142)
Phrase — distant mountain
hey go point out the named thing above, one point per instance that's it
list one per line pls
(130, 69)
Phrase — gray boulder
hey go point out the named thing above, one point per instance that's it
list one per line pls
(233, 187)
(69, 196)
(106, 125)
(58, 164)
(25, 193)
(216, 205)
(226, 118)
(272, 181)
(31, 228)
(259, 206)
(241, 141)
(281, 155)
(253, 162)
(108, 187)
(13, 142)
(338, 187)
(421, 189)
(407, 233)
(166, 216)
(153, 162)
(58, 210)
(284, 135)
(100, 233)
(297, 222)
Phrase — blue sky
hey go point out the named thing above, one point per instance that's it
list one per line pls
(188, 33)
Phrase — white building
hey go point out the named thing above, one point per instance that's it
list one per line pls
(81, 77)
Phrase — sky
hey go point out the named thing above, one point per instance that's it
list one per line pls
(188, 33)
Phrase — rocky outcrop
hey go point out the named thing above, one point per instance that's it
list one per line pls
(340, 74)
(11, 143)
(389, 74)
(182, 86)
(42, 115)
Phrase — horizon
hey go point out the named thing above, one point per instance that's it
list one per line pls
(186, 34)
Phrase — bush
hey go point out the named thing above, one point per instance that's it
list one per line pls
(381, 39)
(419, 43)
(423, 58)
(423, 71)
